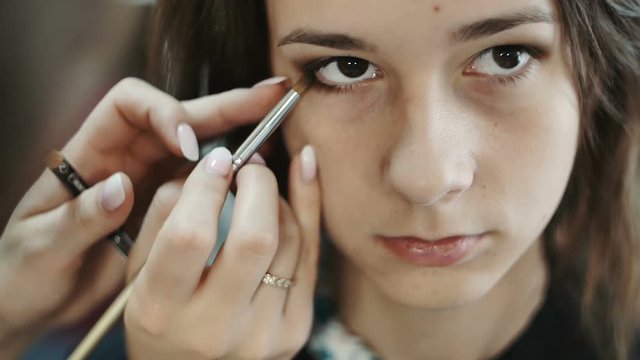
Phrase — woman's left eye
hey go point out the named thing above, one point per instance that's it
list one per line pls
(346, 71)
(502, 61)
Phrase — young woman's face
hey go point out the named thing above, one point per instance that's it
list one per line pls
(447, 121)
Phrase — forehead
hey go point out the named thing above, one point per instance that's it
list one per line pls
(428, 21)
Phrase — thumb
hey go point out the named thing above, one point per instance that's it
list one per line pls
(76, 225)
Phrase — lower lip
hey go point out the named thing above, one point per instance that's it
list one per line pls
(444, 252)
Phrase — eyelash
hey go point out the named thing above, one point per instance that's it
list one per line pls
(536, 54)
(313, 66)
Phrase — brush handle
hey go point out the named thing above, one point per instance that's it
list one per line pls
(102, 326)
(264, 129)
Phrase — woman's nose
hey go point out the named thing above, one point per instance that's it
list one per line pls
(432, 160)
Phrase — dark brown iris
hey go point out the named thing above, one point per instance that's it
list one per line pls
(507, 57)
(352, 67)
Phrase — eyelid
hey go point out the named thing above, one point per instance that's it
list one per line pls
(536, 54)
(312, 67)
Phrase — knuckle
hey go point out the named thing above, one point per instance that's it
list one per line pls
(168, 111)
(257, 174)
(149, 319)
(214, 188)
(257, 244)
(128, 83)
(219, 112)
(205, 346)
(167, 196)
(85, 212)
(190, 238)
(289, 237)
(29, 247)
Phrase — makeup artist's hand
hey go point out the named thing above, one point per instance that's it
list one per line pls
(179, 309)
(54, 266)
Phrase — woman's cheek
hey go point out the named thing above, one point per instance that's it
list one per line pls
(491, 98)
(326, 118)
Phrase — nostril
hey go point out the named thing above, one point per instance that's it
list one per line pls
(451, 190)
(442, 198)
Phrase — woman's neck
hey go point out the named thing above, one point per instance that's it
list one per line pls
(478, 330)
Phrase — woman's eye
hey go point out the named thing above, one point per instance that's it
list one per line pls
(500, 61)
(345, 71)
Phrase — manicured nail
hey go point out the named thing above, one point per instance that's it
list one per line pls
(112, 193)
(256, 158)
(271, 81)
(188, 142)
(219, 161)
(308, 163)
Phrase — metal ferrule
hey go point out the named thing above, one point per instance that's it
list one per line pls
(264, 129)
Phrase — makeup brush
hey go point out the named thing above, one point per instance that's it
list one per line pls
(102, 326)
(270, 123)
(258, 136)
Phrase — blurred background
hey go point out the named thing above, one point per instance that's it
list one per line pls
(57, 59)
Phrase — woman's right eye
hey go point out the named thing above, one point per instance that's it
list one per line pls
(345, 71)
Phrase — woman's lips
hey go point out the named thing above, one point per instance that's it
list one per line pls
(442, 252)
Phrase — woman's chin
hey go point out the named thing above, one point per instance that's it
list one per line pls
(439, 292)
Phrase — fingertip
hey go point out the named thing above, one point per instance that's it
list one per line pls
(266, 96)
(304, 170)
(114, 192)
(308, 164)
(276, 80)
(188, 142)
(218, 161)
(304, 189)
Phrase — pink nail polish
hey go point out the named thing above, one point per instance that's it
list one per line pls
(219, 161)
(308, 163)
(112, 193)
(188, 142)
(257, 159)
(271, 81)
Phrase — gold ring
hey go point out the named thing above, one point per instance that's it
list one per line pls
(276, 281)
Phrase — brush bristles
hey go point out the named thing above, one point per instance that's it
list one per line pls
(303, 84)
(54, 159)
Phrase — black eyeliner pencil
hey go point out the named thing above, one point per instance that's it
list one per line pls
(76, 185)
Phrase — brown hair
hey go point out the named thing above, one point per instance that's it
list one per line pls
(593, 240)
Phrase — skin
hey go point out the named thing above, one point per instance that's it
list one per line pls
(433, 150)
(54, 264)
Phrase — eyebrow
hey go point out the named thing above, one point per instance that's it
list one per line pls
(331, 40)
(495, 25)
(468, 32)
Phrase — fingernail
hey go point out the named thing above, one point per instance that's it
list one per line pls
(113, 194)
(188, 142)
(271, 81)
(219, 161)
(308, 163)
(256, 158)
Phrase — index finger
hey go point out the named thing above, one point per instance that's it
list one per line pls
(215, 114)
(130, 109)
